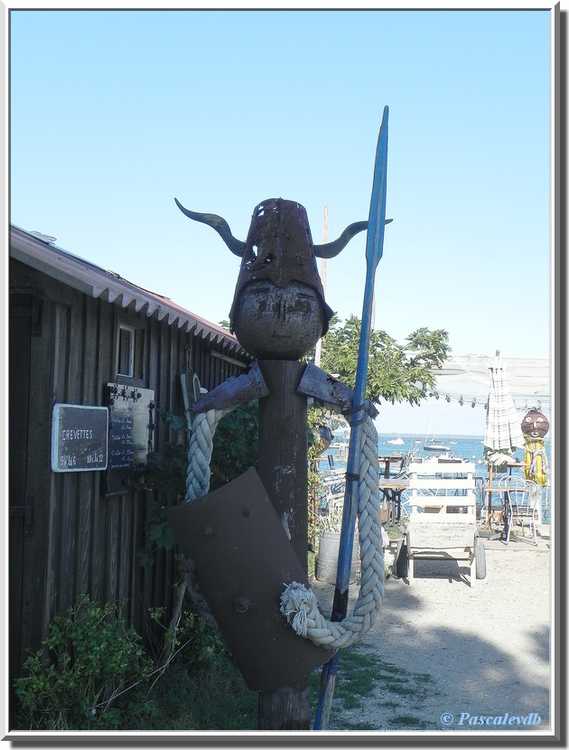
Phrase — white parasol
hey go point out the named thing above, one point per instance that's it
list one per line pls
(503, 424)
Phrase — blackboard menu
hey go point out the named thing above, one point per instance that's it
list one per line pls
(131, 426)
(79, 438)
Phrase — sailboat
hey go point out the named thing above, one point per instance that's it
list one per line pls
(433, 446)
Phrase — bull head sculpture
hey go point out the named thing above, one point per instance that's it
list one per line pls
(278, 310)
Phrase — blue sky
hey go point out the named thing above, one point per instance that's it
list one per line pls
(114, 113)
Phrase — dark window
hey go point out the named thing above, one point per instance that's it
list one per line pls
(131, 344)
(125, 364)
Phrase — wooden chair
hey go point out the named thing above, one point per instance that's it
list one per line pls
(442, 522)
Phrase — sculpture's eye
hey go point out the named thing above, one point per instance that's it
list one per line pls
(539, 419)
(528, 419)
(252, 256)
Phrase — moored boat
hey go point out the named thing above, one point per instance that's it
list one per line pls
(435, 447)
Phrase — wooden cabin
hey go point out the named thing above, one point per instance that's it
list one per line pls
(78, 335)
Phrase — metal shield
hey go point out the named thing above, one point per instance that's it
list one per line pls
(243, 558)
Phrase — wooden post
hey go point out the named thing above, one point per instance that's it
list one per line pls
(284, 709)
(489, 501)
(284, 472)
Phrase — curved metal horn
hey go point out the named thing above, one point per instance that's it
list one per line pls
(331, 249)
(220, 225)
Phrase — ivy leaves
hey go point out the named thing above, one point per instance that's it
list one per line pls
(235, 444)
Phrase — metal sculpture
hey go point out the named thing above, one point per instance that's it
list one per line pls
(535, 427)
(278, 314)
(278, 310)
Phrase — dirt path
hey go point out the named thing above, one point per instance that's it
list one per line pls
(440, 647)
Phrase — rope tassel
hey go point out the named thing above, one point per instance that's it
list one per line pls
(299, 606)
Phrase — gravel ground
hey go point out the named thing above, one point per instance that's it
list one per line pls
(442, 648)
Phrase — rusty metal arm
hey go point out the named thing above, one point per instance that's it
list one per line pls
(322, 387)
(234, 391)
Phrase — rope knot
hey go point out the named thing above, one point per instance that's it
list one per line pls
(297, 603)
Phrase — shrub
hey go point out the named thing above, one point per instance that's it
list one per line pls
(235, 444)
(88, 660)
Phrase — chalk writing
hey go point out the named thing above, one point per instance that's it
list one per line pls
(130, 433)
(79, 438)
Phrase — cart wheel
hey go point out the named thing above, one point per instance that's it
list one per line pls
(402, 564)
(480, 555)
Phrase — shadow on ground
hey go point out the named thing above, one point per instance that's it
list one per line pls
(409, 674)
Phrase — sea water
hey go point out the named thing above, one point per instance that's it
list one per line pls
(467, 447)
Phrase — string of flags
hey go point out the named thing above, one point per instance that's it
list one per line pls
(474, 401)
(464, 380)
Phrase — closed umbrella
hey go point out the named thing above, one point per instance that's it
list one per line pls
(503, 425)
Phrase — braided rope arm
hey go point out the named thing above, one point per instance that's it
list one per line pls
(298, 603)
(200, 447)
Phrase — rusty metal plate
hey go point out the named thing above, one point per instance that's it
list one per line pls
(242, 558)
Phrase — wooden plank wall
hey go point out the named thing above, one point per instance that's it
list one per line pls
(83, 541)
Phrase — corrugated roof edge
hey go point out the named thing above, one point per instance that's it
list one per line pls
(95, 281)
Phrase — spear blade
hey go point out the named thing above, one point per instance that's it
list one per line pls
(377, 206)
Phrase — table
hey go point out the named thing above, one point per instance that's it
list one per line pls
(391, 490)
(387, 461)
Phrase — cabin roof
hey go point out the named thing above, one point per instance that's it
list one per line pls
(39, 252)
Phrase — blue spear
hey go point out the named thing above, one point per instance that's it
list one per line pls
(374, 251)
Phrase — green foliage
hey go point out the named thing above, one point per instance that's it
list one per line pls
(89, 657)
(165, 474)
(92, 673)
(356, 678)
(201, 690)
(235, 449)
(211, 698)
(204, 644)
(363, 675)
(235, 444)
(316, 417)
(397, 372)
